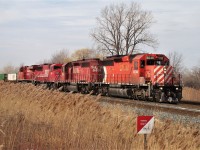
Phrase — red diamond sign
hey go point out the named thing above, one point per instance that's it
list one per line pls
(145, 124)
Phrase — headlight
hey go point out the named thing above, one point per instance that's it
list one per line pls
(165, 70)
(161, 88)
(176, 88)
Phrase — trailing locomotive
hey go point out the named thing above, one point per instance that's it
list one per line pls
(141, 76)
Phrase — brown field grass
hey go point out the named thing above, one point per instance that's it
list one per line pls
(33, 118)
(191, 94)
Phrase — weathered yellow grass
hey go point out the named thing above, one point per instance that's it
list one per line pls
(191, 94)
(41, 119)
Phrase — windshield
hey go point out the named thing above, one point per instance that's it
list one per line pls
(150, 62)
(157, 63)
(57, 67)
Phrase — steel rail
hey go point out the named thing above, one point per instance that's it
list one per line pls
(176, 108)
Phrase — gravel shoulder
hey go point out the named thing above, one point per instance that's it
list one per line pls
(180, 113)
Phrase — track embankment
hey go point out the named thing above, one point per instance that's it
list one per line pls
(188, 108)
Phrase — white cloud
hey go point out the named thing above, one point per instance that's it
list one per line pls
(9, 15)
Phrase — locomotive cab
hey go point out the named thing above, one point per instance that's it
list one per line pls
(160, 75)
(42, 73)
(26, 73)
(157, 69)
(21, 73)
(66, 73)
(30, 72)
(55, 72)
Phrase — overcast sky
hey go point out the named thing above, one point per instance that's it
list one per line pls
(33, 30)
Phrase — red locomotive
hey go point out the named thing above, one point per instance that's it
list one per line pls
(142, 76)
(26, 73)
(139, 76)
(79, 75)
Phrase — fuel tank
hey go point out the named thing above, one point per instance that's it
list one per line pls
(120, 92)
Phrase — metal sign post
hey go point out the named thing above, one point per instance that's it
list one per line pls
(144, 126)
(145, 141)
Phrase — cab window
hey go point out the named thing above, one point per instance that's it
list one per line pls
(85, 64)
(158, 63)
(39, 68)
(150, 62)
(57, 67)
(167, 63)
(142, 64)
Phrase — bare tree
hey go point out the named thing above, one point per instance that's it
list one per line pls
(60, 57)
(83, 53)
(121, 29)
(191, 78)
(9, 68)
(86, 53)
(176, 60)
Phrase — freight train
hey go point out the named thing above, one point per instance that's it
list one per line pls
(142, 76)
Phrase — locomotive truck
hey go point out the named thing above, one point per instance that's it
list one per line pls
(140, 76)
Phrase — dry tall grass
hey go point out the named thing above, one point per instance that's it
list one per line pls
(33, 118)
(191, 94)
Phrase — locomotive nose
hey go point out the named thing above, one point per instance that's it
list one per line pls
(163, 75)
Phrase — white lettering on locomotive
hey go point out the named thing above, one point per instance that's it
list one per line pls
(94, 68)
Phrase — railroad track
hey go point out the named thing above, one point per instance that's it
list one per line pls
(190, 102)
(183, 108)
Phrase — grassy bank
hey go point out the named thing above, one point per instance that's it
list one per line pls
(33, 118)
(191, 94)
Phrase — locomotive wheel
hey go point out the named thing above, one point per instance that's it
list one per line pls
(65, 88)
(35, 83)
(54, 86)
(50, 87)
(99, 91)
(105, 91)
(94, 91)
(83, 90)
(143, 96)
(179, 96)
(157, 96)
(130, 94)
(135, 97)
(156, 99)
